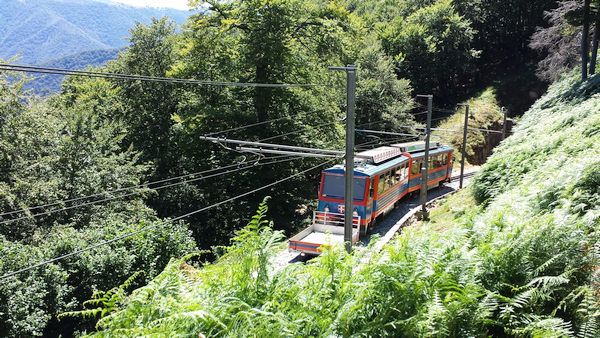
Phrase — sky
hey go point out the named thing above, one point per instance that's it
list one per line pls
(178, 4)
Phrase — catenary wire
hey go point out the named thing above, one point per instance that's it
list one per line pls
(160, 181)
(60, 71)
(56, 259)
(246, 126)
(49, 212)
(259, 123)
(296, 131)
(142, 185)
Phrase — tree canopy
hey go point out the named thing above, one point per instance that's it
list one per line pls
(82, 166)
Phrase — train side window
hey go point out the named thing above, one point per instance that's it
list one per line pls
(388, 180)
(400, 173)
(381, 185)
(397, 175)
(415, 167)
(372, 188)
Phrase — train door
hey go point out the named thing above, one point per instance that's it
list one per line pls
(369, 209)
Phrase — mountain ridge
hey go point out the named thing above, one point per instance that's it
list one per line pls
(37, 31)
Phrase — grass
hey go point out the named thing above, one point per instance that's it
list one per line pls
(484, 113)
(450, 211)
(515, 255)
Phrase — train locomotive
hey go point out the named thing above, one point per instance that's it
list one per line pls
(382, 176)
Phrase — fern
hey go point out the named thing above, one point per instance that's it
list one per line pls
(105, 302)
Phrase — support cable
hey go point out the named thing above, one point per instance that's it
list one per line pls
(144, 229)
(60, 71)
(296, 132)
(49, 212)
(452, 130)
(247, 126)
(142, 185)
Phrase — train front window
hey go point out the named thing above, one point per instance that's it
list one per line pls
(334, 187)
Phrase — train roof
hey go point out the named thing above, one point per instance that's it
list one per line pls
(365, 168)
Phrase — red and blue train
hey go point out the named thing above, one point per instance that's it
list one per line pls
(382, 176)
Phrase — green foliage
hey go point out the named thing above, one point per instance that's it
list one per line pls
(105, 302)
(432, 47)
(380, 95)
(524, 265)
(101, 135)
(59, 149)
(484, 113)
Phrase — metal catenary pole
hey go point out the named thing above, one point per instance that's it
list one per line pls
(349, 158)
(464, 146)
(504, 112)
(425, 167)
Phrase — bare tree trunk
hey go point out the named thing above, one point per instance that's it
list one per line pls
(594, 46)
(584, 39)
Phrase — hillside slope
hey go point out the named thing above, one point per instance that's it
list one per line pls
(48, 84)
(43, 30)
(522, 263)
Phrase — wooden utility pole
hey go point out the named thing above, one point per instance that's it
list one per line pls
(464, 146)
(504, 112)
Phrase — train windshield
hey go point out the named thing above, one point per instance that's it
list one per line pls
(333, 187)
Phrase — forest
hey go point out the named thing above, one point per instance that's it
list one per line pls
(120, 162)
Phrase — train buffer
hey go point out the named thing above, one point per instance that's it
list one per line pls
(327, 229)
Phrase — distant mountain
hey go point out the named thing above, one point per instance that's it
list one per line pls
(43, 30)
(44, 84)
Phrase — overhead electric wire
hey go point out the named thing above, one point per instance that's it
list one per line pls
(369, 123)
(296, 131)
(246, 126)
(421, 113)
(437, 109)
(485, 130)
(260, 123)
(386, 133)
(453, 130)
(142, 185)
(56, 259)
(49, 212)
(118, 76)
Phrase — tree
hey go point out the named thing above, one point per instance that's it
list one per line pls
(66, 148)
(559, 40)
(433, 48)
(585, 32)
(562, 39)
(255, 41)
(148, 107)
(381, 97)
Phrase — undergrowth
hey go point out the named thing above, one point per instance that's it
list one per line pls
(484, 113)
(524, 263)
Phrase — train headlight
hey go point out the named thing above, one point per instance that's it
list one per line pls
(326, 209)
(355, 213)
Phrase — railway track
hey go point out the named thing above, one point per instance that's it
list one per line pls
(468, 175)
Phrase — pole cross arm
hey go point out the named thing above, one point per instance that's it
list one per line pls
(272, 146)
(285, 152)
